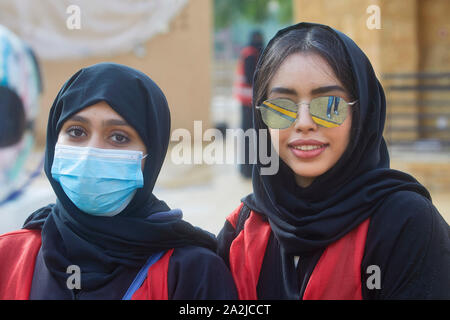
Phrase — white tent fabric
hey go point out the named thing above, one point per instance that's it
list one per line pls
(61, 29)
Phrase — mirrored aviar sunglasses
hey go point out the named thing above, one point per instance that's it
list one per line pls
(328, 112)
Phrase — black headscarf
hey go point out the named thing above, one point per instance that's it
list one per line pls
(307, 219)
(103, 246)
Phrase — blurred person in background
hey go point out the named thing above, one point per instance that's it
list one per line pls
(20, 90)
(243, 90)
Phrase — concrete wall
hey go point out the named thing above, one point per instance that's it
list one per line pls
(434, 46)
(414, 37)
(434, 34)
(178, 61)
(414, 34)
(348, 16)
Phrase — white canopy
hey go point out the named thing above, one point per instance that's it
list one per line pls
(60, 29)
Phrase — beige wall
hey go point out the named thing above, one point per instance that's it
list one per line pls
(434, 45)
(414, 37)
(178, 61)
(414, 34)
(392, 48)
(348, 16)
(434, 35)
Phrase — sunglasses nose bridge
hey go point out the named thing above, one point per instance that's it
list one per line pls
(304, 121)
(299, 105)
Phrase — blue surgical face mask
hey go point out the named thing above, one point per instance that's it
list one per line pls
(100, 182)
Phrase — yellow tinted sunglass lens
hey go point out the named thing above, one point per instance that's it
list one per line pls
(278, 113)
(328, 111)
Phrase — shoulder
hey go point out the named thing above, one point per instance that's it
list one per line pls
(407, 199)
(406, 218)
(199, 257)
(409, 241)
(407, 209)
(21, 236)
(199, 273)
(403, 218)
(19, 244)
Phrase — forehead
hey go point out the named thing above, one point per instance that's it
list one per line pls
(303, 72)
(99, 111)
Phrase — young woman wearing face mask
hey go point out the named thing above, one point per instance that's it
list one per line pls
(108, 236)
(335, 222)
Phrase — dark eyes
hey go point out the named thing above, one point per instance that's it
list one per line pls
(76, 133)
(119, 138)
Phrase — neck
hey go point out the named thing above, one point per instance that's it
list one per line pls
(303, 181)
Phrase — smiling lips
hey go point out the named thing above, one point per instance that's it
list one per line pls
(306, 149)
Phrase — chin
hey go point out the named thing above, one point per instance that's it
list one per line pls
(308, 174)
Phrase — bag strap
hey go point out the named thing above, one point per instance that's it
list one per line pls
(244, 214)
(142, 274)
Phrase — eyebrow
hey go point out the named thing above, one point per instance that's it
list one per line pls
(319, 90)
(80, 119)
(283, 90)
(327, 89)
(115, 122)
(105, 123)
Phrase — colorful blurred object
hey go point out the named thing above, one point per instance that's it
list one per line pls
(20, 89)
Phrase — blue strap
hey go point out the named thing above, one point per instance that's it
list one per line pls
(137, 282)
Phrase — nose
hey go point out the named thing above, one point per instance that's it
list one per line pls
(96, 141)
(304, 121)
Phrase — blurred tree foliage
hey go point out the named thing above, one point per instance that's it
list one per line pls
(255, 11)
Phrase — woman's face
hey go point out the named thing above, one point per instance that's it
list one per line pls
(307, 148)
(99, 126)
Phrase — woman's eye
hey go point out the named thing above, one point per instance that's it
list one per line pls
(76, 132)
(119, 138)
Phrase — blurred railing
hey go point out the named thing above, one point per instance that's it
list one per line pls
(418, 110)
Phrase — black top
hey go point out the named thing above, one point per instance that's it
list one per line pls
(194, 273)
(407, 239)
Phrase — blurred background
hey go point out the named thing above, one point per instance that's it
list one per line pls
(191, 49)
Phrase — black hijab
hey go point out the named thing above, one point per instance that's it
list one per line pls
(103, 246)
(307, 219)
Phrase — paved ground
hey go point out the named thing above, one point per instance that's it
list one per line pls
(205, 193)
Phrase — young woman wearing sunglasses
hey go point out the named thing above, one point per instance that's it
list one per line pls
(335, 222)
